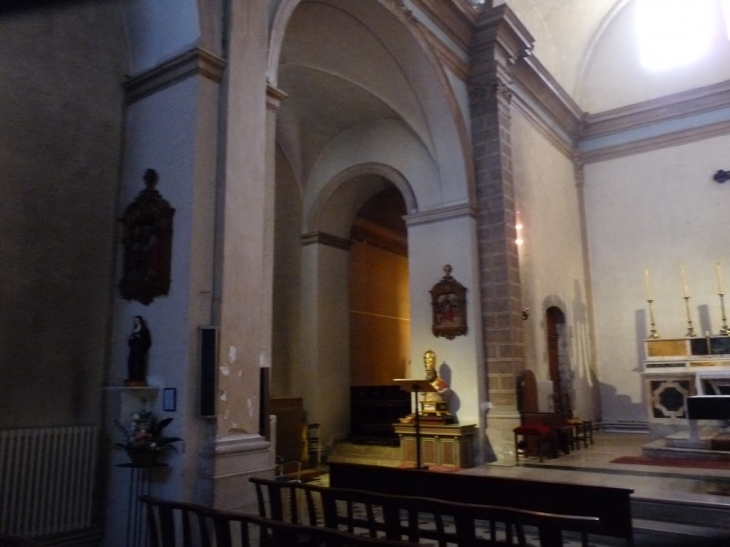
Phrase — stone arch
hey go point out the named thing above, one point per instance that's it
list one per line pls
(325, 273)
(448, 133)
(335, 206)
(588, 53)
(284, 9)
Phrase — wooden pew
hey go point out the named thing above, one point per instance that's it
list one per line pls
(175, 524)
(413, 518)
(611, 505)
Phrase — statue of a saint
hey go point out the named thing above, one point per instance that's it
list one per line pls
(139, 345)
(435, 404)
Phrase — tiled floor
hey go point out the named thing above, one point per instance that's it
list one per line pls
(684, 488)
(592, 466)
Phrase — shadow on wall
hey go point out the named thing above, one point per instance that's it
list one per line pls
(454, 401)
(641, 317)
(642, 333)
(620, 408)
(581, 336)
(705, 323)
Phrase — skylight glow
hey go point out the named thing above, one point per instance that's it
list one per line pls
(674, 33)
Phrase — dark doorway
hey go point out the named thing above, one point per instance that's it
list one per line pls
(558, 361)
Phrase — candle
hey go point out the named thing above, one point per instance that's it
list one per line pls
(685, 288)
(647, 284)
(718, 271)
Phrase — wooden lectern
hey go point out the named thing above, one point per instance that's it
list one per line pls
(415, 386)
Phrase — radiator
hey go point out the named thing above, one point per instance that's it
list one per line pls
(47, 480)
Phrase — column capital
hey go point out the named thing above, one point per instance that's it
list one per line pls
(274, 96)
(499, 41)
(195, 62)
(323, 238)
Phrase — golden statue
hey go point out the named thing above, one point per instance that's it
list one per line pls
(435, 405)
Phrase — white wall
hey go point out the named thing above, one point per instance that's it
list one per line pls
(655, 211)
(430, 247)
(552, 258)
(614, 76)
(174, 132)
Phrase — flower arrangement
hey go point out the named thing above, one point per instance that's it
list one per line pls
(145, 433)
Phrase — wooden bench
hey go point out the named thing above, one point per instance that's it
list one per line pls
(175, 524)
(414, 519)
(612, 506)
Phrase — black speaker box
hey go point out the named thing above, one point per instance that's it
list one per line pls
(208, 360)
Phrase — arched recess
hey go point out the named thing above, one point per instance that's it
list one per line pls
(334, 207)
(324, 373)
(368, 105)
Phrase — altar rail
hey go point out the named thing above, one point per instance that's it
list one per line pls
(417, 519)
(611, 505)
(46, 480)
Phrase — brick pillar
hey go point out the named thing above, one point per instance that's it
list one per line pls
(499, 41)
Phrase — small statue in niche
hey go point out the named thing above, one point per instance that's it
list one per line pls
(435, 404)
(139, 345)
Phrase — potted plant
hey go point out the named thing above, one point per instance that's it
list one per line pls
(144, 439)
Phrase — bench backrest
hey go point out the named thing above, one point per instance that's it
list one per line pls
(611, 505)
(178, 524)
(414, 519)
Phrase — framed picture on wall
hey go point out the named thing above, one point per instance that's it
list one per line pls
(448, 302)
(147, 242)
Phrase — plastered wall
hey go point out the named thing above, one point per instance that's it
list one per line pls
(552, 258)
(61, 70)
(655, 211)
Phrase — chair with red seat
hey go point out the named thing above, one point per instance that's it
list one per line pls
(541, 434)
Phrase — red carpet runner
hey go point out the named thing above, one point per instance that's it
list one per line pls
(673, 462)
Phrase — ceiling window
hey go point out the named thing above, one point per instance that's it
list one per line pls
(675, 33)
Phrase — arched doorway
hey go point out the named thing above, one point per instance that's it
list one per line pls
(343, 133)
(379, 317)
(559, 368)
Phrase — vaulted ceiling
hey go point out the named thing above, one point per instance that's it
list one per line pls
(565, 32)
(339, 73)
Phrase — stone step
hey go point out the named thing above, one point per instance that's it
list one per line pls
(650, 532)
(663, 513)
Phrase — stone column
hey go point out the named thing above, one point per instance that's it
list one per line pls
(245, 261)
(325, 360)
(499, 41)
(274, 97)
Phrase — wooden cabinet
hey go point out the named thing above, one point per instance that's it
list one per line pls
(441, 445)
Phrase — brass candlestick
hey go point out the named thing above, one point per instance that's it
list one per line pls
(654, 335)
(724, 330)
(690, 329)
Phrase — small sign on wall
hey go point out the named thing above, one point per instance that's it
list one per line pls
(169, 399)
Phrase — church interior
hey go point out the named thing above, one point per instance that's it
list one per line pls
(252, 217)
